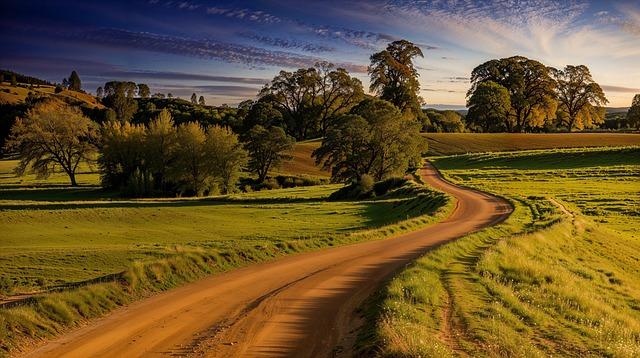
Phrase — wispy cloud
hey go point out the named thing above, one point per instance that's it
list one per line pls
(286, 43)
(202, 48)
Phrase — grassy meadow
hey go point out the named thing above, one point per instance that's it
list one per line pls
(559, 277)
(69, 254)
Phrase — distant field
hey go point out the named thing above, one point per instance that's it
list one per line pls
(462, 143)
(558, 278)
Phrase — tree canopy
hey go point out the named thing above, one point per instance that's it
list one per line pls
(531, 90)
(633, 115)
(310, 98)
(489, 107)
(374, 139)
(394, 76)
(74, 82)
(268, 148)
(580, 98)
(52, 136)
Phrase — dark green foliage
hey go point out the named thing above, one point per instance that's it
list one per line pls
(375, 139)
(489, 107)
(531, 90)
(119, 96)
(442, 121)
(267, 148)
(74, 82)
(633, 115)
(394, 77)
(143, 90)
(8, 115)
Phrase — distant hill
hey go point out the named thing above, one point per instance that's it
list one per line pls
(15, 95)
(23, 78)
(615, 110)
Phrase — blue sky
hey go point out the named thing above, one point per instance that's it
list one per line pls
(226, 50)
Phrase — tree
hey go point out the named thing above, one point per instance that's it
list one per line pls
(310, 98)
(120, 97)
(295, 95)
(158, 95)
(531, 90)
(143, 90)
(194, 99)
(489, 107)
(122, 156)
(74, 82)
(444, 121)
(264, 113)
(169, 95)
(14, 82)
(53, 136)
(190, 169)
(374, 139)
(394, 77)
(226, 157)
(201, 101)
(65, 83)
(338, 93)
(580, 98)
(99, 92)
(633, 115)
(160, 145)
(267, 148)
(1, 78)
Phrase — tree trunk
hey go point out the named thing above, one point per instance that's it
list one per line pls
(72, 177)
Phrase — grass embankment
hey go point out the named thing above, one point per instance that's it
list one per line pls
(463, 143)
(546, 282)
(84, 253)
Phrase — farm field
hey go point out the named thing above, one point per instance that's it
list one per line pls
(462, 143)
(559, 277)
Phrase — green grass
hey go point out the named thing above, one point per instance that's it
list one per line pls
(84, 251)
(543, 283)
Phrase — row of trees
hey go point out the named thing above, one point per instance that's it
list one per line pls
(517, 94)
(159, 157)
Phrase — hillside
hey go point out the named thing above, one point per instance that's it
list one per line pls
(15, 95)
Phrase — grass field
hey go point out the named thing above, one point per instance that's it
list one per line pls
(463, 143)
(558, 278)
(78, 252)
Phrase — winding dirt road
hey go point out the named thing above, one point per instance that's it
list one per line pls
(303, 305)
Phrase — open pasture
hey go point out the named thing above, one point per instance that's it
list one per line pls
(559, 277)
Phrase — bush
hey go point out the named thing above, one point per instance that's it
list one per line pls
(383, 187)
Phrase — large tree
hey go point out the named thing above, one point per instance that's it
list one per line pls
(633, 115)
(310, 98)
(120, 97)
(339, 92)
(53, 136)
(122, 156)
(143, 90)
(74, 81)
(226, 157)
(489, 107)
(160, 145)
(580, 99)
(374, 139)
(190, 169)
(531, 90)
(394, 76)
(268, 148)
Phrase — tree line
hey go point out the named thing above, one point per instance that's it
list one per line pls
(148, 145)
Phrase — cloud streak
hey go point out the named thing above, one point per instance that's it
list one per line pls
(286, 43)
(202, 48)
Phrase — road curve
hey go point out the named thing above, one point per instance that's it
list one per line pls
(302, 305)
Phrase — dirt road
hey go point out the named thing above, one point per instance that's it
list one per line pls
(300, 306)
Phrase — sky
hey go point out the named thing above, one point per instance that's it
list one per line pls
(227, 50)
